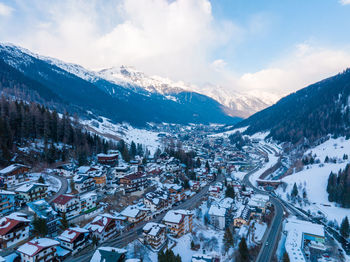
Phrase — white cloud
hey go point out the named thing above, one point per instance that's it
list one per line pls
(306, 65)
(5, 10)
(170, 38)
(345, 2)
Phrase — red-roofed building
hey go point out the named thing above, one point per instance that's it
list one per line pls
(107, 159)
(42, 249)
(14, 228)
(68, 204)
(74, 239)
(133, 182)
(103, 227)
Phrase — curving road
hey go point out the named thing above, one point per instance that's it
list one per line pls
(270, 239)
(63, 189)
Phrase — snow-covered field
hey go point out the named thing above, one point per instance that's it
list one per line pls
(230, 132)
(314, 179)
(333, 148)
(124, 131)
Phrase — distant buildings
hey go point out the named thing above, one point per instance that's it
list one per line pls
(217, 216)
(104, 227)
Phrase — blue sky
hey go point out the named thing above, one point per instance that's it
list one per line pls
(267, 47)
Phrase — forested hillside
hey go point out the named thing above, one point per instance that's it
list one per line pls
(311, 113)
(27, 126)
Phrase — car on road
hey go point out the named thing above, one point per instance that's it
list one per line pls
(267, 243)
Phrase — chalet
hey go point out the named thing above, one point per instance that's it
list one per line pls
(133, 182)
(135, 214)
(154, 235)
(14, 228)
(14, 174)
(88, 202)
(176, 192)
(178, 222)
(67, 204)
(7, 202)
(107, 159)
(42, 249)
(30, 192)
(104, 227)
(43, 210)
(84, 183)
(156, 201)
(74, 239)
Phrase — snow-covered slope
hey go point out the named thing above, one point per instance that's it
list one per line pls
(104, 127)
(238, 104)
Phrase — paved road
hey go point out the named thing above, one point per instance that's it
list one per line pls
(270, 239)
(132, 234)
(63, 189)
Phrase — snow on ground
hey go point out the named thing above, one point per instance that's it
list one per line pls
(230, 132)
(315, 181)
(272, 161)
(106, 128)
(183, 248)
(238, 174)
(333, 148)
(54, 183)
(259, 231)
(260, 135)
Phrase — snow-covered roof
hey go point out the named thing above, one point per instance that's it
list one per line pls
(33, 247)
(70, 234)
(152, 228)
(11, 168)
(29, 186)
(217, 211)
(176, 216)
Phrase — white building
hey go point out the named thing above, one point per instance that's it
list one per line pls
(300, 232)
(42, 249)
(217, 216)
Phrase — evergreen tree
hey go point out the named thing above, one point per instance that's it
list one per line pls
(132, 149)
(207, 166)
(286, 257)
(39, 227)
(41, 180)
(243, 252)
(198, 162)
(64, 222)
(294, 191)
(326, 160)
(230, 192)
(344, 227)
(228, 239)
